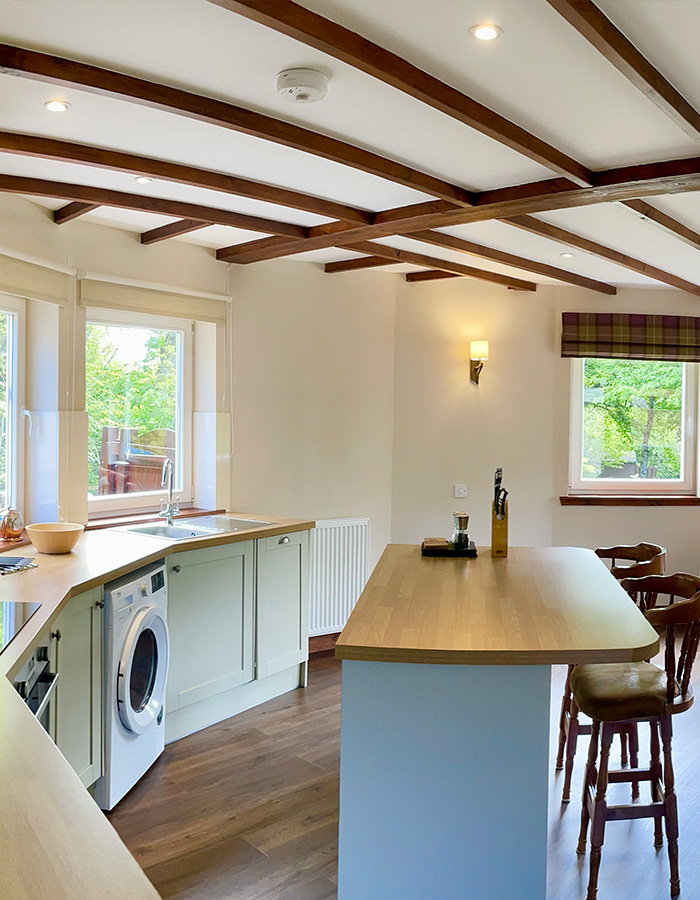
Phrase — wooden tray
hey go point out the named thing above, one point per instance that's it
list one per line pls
(450, 550)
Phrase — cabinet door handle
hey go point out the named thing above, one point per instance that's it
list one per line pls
(283, 540)
(56, 634)
(176, 569)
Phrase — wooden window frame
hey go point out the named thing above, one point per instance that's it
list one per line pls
(603, 487)
(147, 501)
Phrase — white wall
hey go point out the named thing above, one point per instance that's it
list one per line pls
(313, 393)
(449, 431)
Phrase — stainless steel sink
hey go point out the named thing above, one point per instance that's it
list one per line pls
(171, 532)
(223, 524)
(199, 526)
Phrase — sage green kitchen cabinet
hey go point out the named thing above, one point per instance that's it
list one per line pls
(210, 620)
(282, 602)
(76, 651)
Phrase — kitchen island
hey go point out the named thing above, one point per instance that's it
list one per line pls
(445, 715)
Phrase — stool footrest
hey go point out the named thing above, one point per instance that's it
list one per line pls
(618, 776)
(645, 811)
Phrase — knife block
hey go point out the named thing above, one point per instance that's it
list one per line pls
(499, 532)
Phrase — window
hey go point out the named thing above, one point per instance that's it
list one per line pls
(632, 426)
(10, 402)
(138, 401)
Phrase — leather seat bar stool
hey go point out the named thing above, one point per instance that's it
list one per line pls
(646, 559)
(619, 694)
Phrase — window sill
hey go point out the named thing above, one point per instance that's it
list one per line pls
(628, 500)
(135, 518)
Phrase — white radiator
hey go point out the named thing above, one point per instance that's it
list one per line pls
(339, 572)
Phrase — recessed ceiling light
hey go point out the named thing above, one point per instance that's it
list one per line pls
(143, 179)
(57, 105)
(567, 255)
(485, 32)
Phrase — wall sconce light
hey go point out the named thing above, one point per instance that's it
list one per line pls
(478, 353)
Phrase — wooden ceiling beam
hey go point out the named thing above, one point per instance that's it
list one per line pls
(450, 242)
(171, 230)
(670, 225)
(65, 151)
(352, 265)
(629, 182)
(545, 229)
(37, 187)
(418, 259)
(72, 211)
(593, 24)
(69, 73)
(322, 34)
(429, 275)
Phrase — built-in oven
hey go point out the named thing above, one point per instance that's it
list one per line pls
(37, 684)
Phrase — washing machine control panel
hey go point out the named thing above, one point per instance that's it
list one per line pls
(157, 580)
(127, 598)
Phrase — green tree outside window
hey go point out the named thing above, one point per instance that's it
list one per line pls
(632, 419)
(128, 389)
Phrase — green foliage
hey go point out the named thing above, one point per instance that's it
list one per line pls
(140, 395)
(632, 418)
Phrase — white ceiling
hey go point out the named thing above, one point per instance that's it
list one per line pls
(541, 74)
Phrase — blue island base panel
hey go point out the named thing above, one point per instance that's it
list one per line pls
(443, 782)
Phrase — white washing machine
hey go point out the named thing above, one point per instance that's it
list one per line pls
(136, 669)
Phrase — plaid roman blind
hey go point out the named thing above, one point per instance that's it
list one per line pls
(631, 336)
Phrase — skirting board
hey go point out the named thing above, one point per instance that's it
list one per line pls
(323, 643)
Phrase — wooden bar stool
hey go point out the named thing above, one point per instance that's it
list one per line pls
(644, 558)
(647, 559)
(627, 694)
(645, 591)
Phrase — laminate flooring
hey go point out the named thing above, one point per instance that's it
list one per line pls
(248, 809)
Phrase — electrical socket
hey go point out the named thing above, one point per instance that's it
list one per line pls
(460, 491)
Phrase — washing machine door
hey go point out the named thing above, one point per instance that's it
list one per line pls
(143, 669)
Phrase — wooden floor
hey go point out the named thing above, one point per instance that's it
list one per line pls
(248, 810)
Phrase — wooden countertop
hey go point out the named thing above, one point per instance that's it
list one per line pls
(539, 606)
(54, 840)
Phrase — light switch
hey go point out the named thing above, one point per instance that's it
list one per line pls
(460, 490)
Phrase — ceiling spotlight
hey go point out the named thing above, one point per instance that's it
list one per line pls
(143, 179)
(485, 32)
(567, 255)
(57, 105)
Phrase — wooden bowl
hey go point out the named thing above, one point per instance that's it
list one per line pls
(54, 537)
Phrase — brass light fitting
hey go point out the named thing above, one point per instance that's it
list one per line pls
(478, 353)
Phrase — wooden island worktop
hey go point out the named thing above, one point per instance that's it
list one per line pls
(445, 715)
(54, 840)
(537, 606)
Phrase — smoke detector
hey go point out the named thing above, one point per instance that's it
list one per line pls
(302, 85)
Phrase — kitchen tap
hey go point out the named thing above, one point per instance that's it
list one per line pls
(170, 509)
